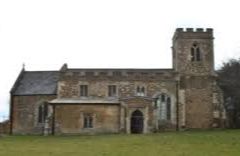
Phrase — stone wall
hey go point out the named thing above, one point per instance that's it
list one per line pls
(69, 118)
(25, 113)
(198, 100)
(5, 127)
(154, 83)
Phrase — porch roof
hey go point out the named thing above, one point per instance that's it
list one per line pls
(83, 101)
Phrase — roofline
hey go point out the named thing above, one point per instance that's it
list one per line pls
(107, 104)
(85, 101)
(17, 80)
(136, 97)
(31, 94)
(122, 69)
(41, 71)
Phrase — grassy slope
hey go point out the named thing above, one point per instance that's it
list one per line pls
(212, 143)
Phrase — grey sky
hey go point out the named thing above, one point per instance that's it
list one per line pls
(128, 33)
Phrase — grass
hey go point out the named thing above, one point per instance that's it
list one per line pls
(195, 143)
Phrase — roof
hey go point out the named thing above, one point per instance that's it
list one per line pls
(45, 82)
(124, 69)
(84, 101)
(36, 83)
(91, 100)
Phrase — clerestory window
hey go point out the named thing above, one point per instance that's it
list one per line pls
(112, 90)
(83, 90)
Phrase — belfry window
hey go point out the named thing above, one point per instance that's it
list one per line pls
(195, 53)
(42, 113)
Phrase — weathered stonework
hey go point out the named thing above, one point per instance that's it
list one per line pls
(144, 100)
(25, 113)
(106, 118)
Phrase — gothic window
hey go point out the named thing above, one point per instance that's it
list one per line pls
(198, 54)
(83, 90)
(88, 121)
(112, 90)
(140, 91)
(163, 105)
(195, 53)
(42, 113)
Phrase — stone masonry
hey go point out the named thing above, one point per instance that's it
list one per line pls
(92, 101)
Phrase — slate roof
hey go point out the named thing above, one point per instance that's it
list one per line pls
(36, 83)
(85, 101)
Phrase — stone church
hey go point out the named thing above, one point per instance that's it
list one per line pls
(92, 101)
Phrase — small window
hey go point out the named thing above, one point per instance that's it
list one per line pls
(83, 90)
(88, 121)
(117, 73)
(195, 53)
(140, 91)
(89, 73)
(112, 90)
(42, 113)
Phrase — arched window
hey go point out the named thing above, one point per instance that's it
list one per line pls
(163, 105)
(195, 53)
(42, 113)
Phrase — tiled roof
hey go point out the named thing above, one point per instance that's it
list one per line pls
(36, 83)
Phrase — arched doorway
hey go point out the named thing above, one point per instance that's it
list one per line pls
(137, 122)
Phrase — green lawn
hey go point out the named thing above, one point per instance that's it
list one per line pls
(203, 143)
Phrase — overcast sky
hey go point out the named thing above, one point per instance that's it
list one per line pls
(105, 34)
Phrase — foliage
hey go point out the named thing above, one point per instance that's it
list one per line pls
(229, 81)
(196, 143)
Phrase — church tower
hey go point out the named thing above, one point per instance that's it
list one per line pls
(193, 51)
(193, 59)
